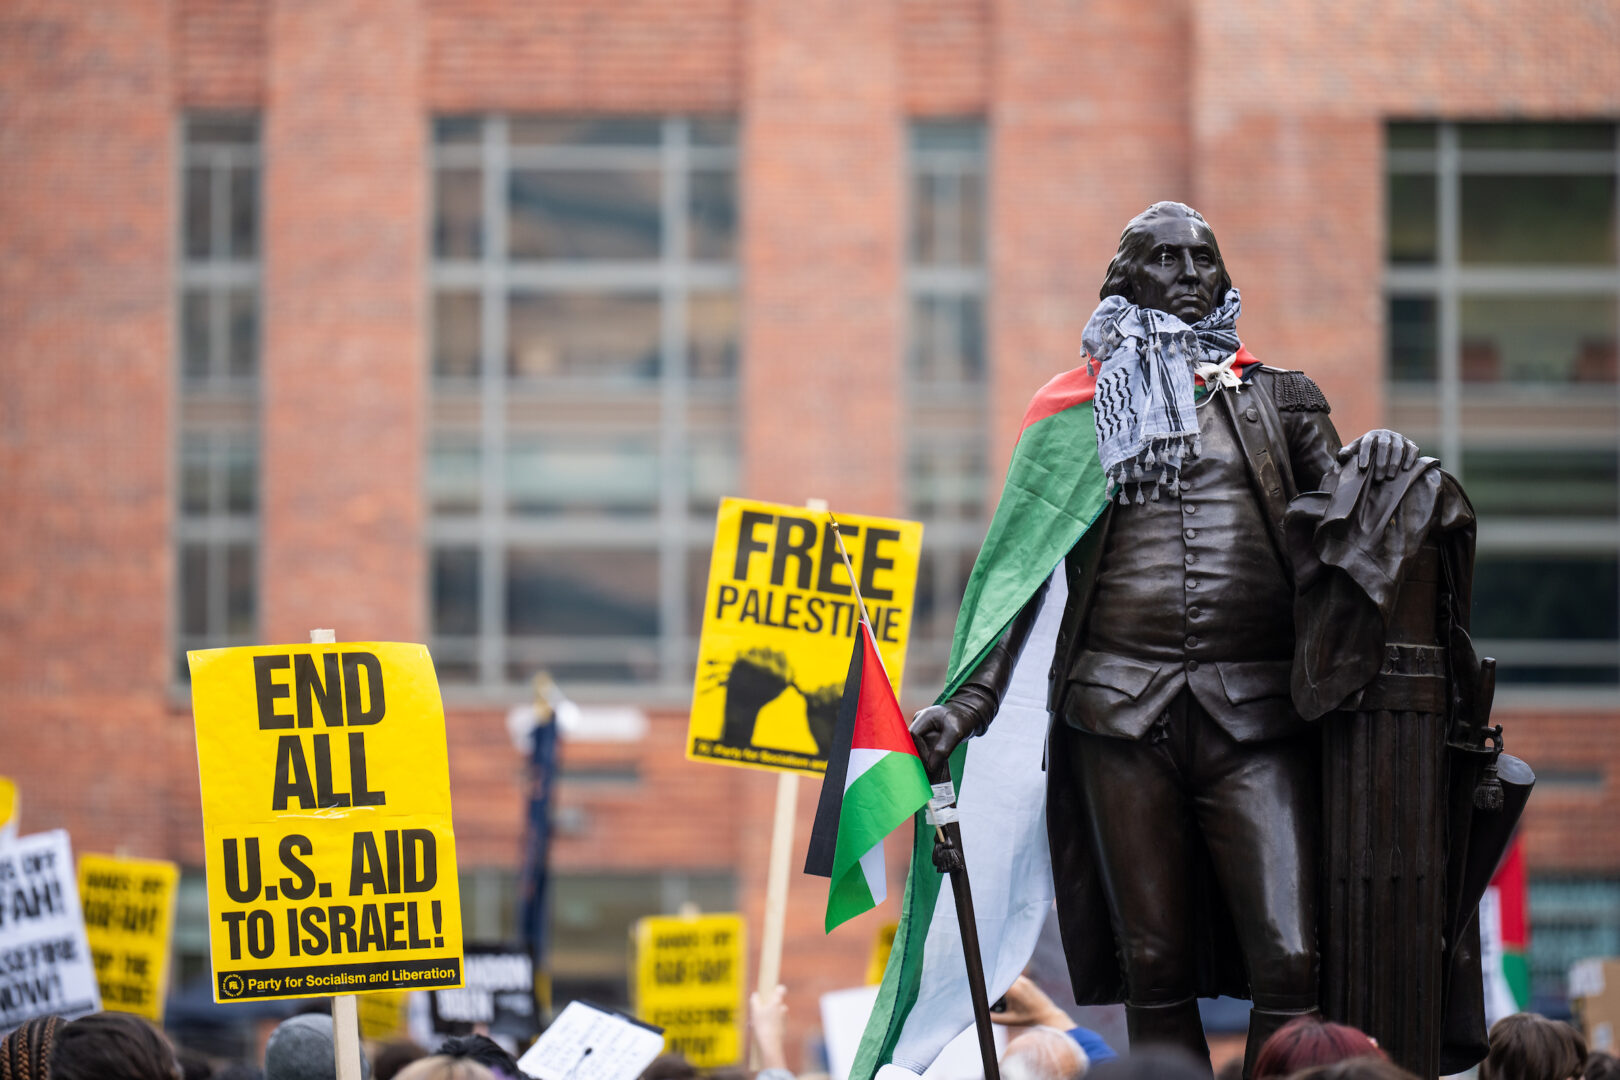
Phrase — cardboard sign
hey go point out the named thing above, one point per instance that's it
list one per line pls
(326, 820)
(689, 981)
(779, 623)
(129, 921)
(498, 993)
(44, 958)
(587, 1042)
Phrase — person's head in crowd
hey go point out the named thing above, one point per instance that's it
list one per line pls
(1152, 1063)
(1043, 1053)
(239, 1071)
(301, 1049)
(112, 1046)
(1232, 1069)
(26, 1051)
(1307, 1041)
(1356, 1068)
(393, 1056)
(1601, 1066)
(1528, 1046)
(194, 1066)
(441, 1067)
(485, 1051)
(727, 1072)
(670, 1067)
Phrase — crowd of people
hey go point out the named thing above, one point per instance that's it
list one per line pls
(1045, 1044)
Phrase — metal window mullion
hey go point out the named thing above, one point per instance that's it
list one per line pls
(492, 388)
(672, 497)
(1616, 524)
(1449, 362)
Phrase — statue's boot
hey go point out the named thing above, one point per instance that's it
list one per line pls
(1263, 1023)
(1175, 1024)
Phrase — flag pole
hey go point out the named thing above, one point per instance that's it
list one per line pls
(948, 858)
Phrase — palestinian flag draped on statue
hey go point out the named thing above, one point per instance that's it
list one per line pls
(875, 781)
(1054, 492)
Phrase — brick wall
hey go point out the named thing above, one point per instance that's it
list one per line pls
(344, 359)
(86, 433)
(577, 56)
(219, 49)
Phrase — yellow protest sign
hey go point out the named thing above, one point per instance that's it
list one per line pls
(129, 921)
(689, 981)
(8, 808)
(877, 961)
(779, 624)
(382, 1014)
(326, 820)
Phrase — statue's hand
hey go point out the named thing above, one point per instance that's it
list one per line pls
(1385, 452)
(939, 729)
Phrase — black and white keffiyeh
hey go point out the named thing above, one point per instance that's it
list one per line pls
(1146, 422)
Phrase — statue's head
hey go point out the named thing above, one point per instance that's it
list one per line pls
(1168, 260)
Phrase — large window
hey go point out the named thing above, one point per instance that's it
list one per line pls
(1572, 917)
(1503, 294)
(946, 375)
(216, 593)
(584, 427)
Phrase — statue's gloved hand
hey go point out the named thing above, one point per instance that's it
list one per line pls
(1382, 452)
(939, 729)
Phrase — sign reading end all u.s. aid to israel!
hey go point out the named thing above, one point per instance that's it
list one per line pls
(326, 818)
(779, 620)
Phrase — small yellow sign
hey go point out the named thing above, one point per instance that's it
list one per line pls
(326, 820)
(779, 620)
(689, 981)
(129, 923)
(8, 807)
(878, 961)
(382, 1014)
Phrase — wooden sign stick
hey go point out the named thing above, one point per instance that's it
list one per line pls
(345, 1007)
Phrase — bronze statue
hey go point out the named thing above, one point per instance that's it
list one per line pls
(1184, 786)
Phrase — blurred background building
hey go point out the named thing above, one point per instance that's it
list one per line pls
(452, 321)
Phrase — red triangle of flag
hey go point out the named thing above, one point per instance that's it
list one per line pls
(879, 724)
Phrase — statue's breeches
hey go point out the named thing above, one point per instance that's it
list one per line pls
(1254, 806)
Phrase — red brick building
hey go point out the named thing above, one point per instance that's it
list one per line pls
(450, 321)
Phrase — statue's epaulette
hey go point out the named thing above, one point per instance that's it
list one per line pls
(1293, 391)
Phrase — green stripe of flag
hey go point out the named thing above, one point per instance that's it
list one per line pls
(1054, 492)
(878, 802)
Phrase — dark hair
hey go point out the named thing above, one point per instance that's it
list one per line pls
(240, 1071)
(112, 1046)
(482, 1049)
(25, 1054)
(1307, 1041)
(193, 1065)
(1135, 244)
(1601, 1066)
(1528, 1046)
(393, 1056)
(1357, 1068)
(1153, 1063)
(669, 1067)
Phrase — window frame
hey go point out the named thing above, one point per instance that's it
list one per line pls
(497, 409)
(219, 409)
(1448, 283)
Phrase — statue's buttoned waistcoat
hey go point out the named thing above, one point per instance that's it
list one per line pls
(1189, 591)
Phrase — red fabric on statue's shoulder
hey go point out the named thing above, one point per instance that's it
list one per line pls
(1078, 385)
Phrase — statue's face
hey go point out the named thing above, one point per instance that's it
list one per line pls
(1180, 272)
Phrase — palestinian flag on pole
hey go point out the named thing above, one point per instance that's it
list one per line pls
(1504, 931)
(875, 781)
(1054, 492)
